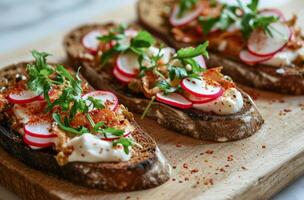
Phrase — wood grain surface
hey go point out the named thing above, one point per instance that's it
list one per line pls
(253, 168)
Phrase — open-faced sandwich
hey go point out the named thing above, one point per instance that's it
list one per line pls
(174, 88)
(255, 47)
(52, 120)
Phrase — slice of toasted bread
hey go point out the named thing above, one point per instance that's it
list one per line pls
(291, 81)
(147, 168)
(190, 122)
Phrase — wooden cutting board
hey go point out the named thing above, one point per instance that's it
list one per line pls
(253, 168)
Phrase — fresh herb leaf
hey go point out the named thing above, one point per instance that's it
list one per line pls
(166, 87)
(191, 52)
(177, 72)
(81, 130)
(125, 142)
(142, 40)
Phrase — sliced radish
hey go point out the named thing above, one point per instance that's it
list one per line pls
(113, 137)
(37, 143)
(174, 99)
(23, 97)
(268, 12)
(188, 17)
(39, 130)
(108, 98)
(90, 40)
(201, 61)
(122, 78)
(262, 44)
(249, 58)
(199, 88)
(127, 64)
(200, 100)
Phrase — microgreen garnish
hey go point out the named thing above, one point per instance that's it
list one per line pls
(147, 108)
(185, 5)
(249, 19)
(44, 77)
(136, 44)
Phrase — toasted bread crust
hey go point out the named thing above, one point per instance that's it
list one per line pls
(146, 169)
(199, 125)
(259, 76)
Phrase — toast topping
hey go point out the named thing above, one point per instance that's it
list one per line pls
(55, 108)
(240, 31)
(178, 79)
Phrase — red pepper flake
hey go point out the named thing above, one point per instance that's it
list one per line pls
(208, 181)
(209, 151)
(178, 145)
(185, 165)
(287, 110)
(264, 146)
(230, 158)
(194, 171)
(222, 170)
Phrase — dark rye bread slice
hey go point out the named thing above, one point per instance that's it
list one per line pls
(205, 126)
(150, 16)
(147, 168)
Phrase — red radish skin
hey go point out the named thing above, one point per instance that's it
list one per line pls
(199, 88)
(251, 59)
(174, 99)
(262, 44)
(115, 138)
(26, 96)
(120, 77)
(39, 130)
(187, 18)
(90, 41)
(201, 100)
(104, 96)
(273, 12)
(127, 64)
(35, 145)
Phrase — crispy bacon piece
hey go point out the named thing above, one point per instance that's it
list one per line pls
(214, 76)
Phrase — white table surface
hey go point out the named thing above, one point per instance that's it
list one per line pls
(23, 22)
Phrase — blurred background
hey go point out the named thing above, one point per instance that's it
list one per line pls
(23, 22)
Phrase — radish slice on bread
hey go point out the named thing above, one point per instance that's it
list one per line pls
(200, 100)
(174, 99)
(108, 98)
(261, 43)
(90, 40)
(249, 58)
(37, 143)
(200, 88)
(127, 64)
(119, 76)
(39, 130)
(23, 97)
(175, 20)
